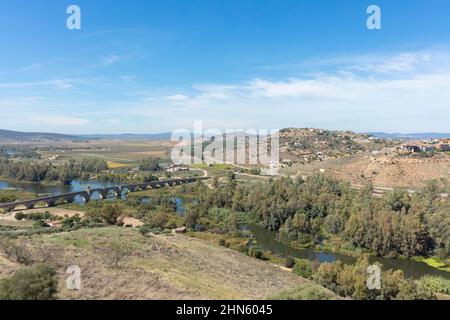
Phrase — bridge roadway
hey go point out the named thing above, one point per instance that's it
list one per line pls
(102, 192)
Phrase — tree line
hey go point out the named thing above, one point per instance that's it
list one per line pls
(37, 171)
(318, 208)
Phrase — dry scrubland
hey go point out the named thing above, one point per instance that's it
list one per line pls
(381, 170)
(158, 267)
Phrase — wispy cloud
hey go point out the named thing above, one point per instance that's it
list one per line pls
(109, 60)
(398, 92)
(58, 83)
(178, 97)
(61, 121)
(27, 68)
(405, 91)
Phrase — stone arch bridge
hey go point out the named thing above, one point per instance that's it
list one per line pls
(102, 192)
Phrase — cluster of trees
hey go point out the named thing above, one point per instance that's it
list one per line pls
(107, 213)
(18, 152)
(36, 171)
(7, 196)
(351, 281)
(150, 164)
(320, 207)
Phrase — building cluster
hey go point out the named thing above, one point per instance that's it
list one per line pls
(441, 145)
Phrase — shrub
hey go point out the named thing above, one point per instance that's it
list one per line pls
(19, 216)
(108, 213)
(116, 252)
(15, 250)
(256, 252)
(37, 283)
(303, 268)
(159, 220)
(431, 285)
(306, 291)
(145, 229)
(289, 263)
(7, 196)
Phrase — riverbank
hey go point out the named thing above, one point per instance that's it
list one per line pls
(277, 252)
(43, 183)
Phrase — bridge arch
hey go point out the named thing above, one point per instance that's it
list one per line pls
(81, 198)
(127, 189)
(97, 195)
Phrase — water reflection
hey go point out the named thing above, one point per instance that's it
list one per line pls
(267, 241)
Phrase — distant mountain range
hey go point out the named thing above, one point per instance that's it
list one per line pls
(411, 136)
(131, 136)
(39, 136)
(36, 136)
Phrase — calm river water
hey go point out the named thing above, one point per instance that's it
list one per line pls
(267, 241)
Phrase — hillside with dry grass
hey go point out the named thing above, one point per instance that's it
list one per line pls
(155, 267)
(384, 169)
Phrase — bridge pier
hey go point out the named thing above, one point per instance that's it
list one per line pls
(51, 204)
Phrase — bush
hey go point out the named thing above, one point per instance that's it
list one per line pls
(159, 220)
(431, 285)
(289, 263)
(243, 249)
(7, 196)
(19, 216)
(116, 252)
(15, 250)
(306, 291)
(256, 252)
(40, 224)
(37, 283)
(303, 268)
(109, 213)
(150, 164)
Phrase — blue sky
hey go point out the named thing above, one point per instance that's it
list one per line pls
(158, 65)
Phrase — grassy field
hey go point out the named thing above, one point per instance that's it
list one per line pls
(117, 153)
(157, 267)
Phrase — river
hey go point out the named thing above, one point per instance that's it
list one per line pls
(267, 241)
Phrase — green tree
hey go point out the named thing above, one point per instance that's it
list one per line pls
(303, 268)
(109, 213)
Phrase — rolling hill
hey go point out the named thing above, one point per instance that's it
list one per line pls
(34, 136)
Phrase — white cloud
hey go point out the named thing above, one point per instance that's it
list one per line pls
(60, 83)
(113, 121)
(178, 97)
(408, 91)
(109, 60)
(59, 121)
(403, 92)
